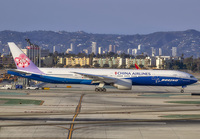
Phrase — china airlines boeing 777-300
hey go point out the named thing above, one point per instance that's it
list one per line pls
(122, 79)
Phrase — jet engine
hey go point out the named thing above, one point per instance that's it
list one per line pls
(123, 84)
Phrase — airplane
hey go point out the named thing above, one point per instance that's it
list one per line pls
(122, 79)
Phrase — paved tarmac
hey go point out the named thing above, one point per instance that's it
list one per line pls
(145, 112)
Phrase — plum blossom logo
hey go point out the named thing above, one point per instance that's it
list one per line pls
(22, 61)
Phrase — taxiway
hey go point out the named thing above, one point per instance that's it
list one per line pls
(145, 112)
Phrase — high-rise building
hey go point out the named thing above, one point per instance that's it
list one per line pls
(110, 48)
(34, 54)
(71, 49)
(114, 48)
(56, 49)
(94, 48)
(100, 50)
(139, 50)
(139, 47)
(160, 51)
(153, 51)
(174, 51)
(134, 51)
(129, 50)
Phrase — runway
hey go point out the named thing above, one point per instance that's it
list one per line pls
(144, 112)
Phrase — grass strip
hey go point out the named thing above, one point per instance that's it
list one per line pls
(20, 102)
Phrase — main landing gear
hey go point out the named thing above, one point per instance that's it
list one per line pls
(99, 89)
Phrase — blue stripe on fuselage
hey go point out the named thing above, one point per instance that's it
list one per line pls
(161, 81)
(51, 79)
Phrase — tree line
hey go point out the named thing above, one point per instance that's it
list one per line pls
(184, 64)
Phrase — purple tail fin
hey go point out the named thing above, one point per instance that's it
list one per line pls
(22, 61)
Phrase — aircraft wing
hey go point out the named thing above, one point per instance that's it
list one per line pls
(99, 78)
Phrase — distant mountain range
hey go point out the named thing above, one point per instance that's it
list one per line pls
(187, 42)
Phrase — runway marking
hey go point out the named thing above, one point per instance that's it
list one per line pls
(42, 102)
(77, 111)
(184, 102)
(164, 95)
(137, 121)
(181, 116)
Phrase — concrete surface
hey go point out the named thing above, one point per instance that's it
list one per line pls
(81, 113)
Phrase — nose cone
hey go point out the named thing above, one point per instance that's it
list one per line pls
(194, 80)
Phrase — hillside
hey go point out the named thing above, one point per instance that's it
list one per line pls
(187, 42)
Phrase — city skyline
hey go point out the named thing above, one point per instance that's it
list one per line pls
(112, 49)
(187, 42)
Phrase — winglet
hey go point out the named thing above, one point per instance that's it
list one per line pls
(22, 62)
(137, 67)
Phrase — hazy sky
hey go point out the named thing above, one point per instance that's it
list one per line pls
(100, 16)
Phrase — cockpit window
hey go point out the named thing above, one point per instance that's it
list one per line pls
(192, 76)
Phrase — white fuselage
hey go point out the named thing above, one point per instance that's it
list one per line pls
(115, 73)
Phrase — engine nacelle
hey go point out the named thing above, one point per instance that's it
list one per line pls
(123, 84)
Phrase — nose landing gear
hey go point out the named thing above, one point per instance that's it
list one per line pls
(182, 89)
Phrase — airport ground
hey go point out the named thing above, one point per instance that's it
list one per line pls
(145, 112)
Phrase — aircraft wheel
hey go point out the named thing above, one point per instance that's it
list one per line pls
(104, 89)
(182, 91)
(100, 89)
(97, 89)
